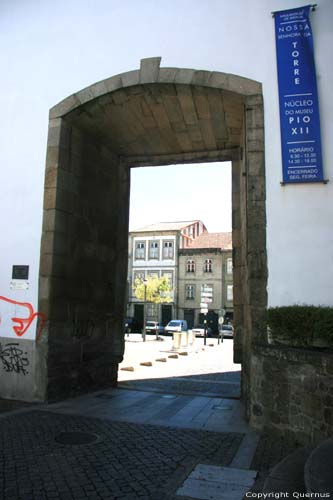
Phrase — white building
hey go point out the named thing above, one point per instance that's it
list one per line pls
(153, 251)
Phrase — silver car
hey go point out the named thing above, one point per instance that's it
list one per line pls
(199, 331)
(176, 325)
(152, 326)
(227, 331)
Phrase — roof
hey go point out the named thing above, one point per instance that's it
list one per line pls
(166, 226)
(212, 240)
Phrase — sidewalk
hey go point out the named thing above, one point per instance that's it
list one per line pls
(135, 444)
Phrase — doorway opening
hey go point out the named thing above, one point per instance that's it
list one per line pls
(170, 207)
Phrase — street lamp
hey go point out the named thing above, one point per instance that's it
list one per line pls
(145, 283)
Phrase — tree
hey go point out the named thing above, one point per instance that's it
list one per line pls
(158, 290)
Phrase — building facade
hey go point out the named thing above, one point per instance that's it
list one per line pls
(153, 251)
(206, 264)
(73, 284)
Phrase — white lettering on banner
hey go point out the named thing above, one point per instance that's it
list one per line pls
(298, 119)
(294, 27)
(296, 102)
(301, 150)
(295, 55)
(299, 130)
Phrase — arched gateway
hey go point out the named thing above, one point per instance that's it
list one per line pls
(151, 116)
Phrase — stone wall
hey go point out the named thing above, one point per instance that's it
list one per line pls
(249, 244)
(83, 255)
(292, 392)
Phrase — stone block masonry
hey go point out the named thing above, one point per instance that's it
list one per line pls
(292, 392)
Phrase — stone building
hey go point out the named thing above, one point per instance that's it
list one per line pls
(206, 262)
(153, 251)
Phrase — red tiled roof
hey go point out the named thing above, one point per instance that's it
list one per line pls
(212, 240)
(166, 226)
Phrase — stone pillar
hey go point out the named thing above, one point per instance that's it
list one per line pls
(83, 261)
(255, 276)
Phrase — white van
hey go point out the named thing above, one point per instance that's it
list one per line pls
(176, 325)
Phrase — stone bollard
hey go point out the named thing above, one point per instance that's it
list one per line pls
(191, 338)
(176, 340)
(184, 341)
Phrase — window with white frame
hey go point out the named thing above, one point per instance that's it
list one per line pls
(189, 292)
(140, 250)
(167, 249)
(230, 293)
(190, 266)
(229, 266)
(208, 266)
(153, 250)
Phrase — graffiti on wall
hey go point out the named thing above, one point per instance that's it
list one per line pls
(24, 316)
(13, 358)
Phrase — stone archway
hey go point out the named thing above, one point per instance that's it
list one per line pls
(150, 116)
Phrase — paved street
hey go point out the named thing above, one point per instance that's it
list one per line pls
(198, 369)
(167, 432)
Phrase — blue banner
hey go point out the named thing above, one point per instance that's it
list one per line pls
(298, 97)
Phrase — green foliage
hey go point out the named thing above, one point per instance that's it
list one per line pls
(301, 326)
(158, 290)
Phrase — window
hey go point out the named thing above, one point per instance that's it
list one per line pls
(153, 250)
(169, 276)
(229, 266)
(153, 274)
(168, 250)
(208, 266)
(189, 292)
(230, 293)
(190, 266)
(152, 310)
(138, 276)
(140, 250)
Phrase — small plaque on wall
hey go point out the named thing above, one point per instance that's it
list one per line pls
(20, 273)
(19, 285)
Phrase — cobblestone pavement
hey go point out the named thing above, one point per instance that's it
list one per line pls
(147, 443)
(128, 461)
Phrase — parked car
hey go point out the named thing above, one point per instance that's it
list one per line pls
(132, 325)
(176, 325)
(199, 331)
(227, 331)
(152, 326)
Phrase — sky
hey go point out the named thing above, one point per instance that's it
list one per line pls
(182, 192)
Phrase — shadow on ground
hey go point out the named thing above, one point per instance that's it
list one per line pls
(221, 385)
